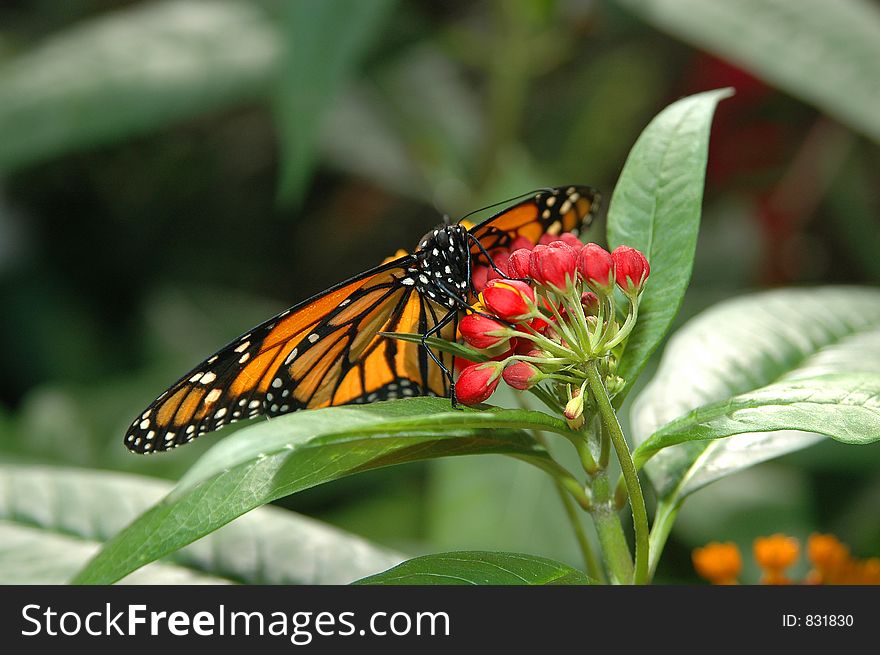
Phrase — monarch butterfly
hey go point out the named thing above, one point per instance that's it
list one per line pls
(331, 348)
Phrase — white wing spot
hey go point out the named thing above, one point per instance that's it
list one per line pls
(551, 201)
(145, 424)
(196, 377)
(244, 358)
(291, 356)
(213, 359)
(253, 404)
(208, 378)
(408, 281)
(213, 395)
(243, 347)
(313, 338)
(277, 383)
(220, 413)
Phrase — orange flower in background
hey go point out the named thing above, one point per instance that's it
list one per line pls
(718, 563)
(830, 559)
(774, 554)
(832, 563)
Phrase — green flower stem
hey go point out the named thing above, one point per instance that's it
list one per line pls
(550, 346)
(614, 547)
(593, 568)
(583, 450)
(547, 398)
(592, 564)
(604, 447)
(576, 309)
(563, 327)
(663, 520)
(637, 500)
(628, 324)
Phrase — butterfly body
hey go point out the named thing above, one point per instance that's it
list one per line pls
(443, 269)
(332, 350)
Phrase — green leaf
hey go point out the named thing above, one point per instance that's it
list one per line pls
(479, 568)
(656, 208)
(131, 72)
(787, 360)
(845, 407)
(325, 42)
(825, 53)
(293, 452)
(53, 520)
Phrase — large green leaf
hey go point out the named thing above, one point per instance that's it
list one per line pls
(479, 568)
(53, 520)
(133, 71)
(325, 41)
(290, 453)
(827, 53)
(35, 556)
(656, 208)
(765, 367)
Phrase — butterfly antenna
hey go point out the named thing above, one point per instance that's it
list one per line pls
(504, 202)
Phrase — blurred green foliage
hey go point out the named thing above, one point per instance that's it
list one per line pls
(173, 172)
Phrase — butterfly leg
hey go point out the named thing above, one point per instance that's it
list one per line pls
(489, 257)
(443, 322)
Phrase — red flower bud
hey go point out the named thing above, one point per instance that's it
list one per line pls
(507, 299)
(475, 330)
(590, 303)
(479, 277)
(521, 375)
(631, 269)
(596, 267)
(521, 242)
(518, 263)
(477, 382)
(554, 265)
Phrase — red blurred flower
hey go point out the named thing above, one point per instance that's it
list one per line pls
(590, 303)
(631, 268)
(571, 240)
(521, 242)
(479, 277)
(499, 258)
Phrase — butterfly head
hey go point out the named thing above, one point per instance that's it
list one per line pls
(443, 272)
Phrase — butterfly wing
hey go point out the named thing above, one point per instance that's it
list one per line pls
(324, 351)
(553, 212)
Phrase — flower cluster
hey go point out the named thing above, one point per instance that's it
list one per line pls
(720, 563)
(544, 312)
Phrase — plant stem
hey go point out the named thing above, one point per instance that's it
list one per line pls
(593, 568)
(637, 500)
(614, 547)
(663, 520)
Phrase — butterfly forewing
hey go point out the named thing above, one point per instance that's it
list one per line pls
(552, 211)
